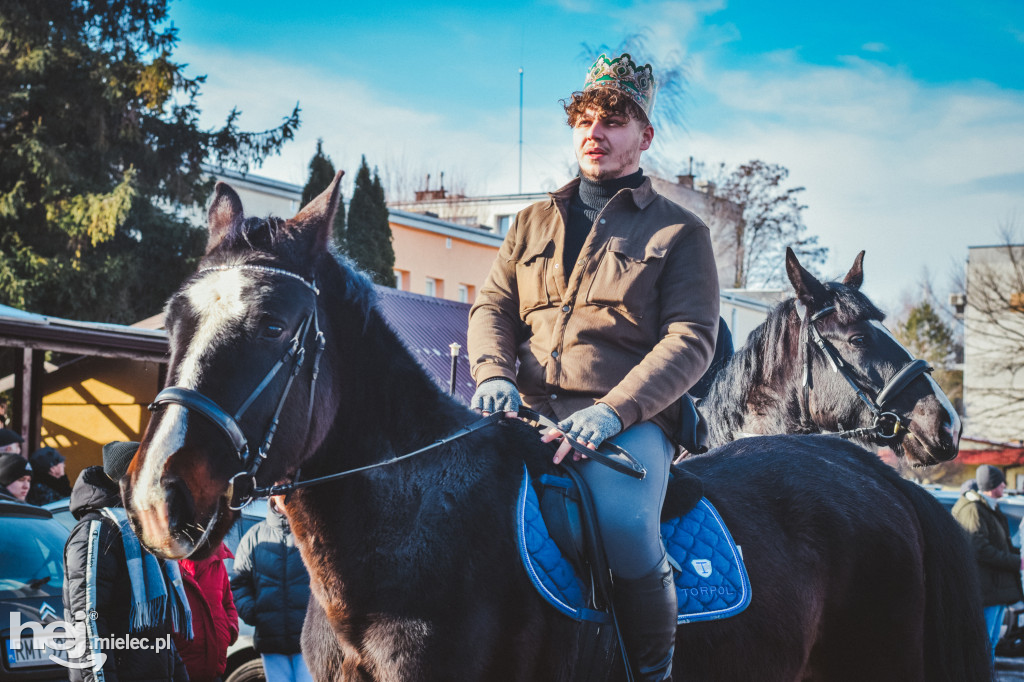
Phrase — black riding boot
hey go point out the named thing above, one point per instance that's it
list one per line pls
(646, 609)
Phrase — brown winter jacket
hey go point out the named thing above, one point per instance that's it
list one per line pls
(633, 325)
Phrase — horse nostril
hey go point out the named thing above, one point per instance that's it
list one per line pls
(180, 505)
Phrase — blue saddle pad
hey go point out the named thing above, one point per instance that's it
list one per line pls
(711, 580)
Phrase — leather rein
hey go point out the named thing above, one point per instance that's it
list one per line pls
(886, 424)
(243, 488)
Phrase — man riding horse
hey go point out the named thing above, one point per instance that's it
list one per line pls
(607, 295)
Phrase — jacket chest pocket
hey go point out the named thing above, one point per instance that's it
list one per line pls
(626, 277)
(534, 271)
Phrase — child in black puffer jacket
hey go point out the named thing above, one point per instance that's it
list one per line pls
(271, 589)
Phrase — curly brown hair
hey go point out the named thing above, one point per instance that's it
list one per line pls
(606, 102)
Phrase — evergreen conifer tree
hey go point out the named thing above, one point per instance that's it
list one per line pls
(321, 172)
(369, 232)
(382, 234)
(102, 151)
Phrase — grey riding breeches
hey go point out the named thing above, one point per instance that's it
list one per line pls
(629, 510)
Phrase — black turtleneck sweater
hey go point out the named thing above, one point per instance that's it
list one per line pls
(586, 204)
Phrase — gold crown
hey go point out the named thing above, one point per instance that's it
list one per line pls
(624, 74)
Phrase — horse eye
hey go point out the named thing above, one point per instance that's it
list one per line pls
(858, 341)
(272, 330)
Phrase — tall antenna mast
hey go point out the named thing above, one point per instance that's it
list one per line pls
(520, 130)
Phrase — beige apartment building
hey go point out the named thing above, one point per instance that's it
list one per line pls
(993, 317)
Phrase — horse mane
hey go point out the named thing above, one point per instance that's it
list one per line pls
(756, 374)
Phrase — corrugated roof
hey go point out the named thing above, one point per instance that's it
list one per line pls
(428, 326)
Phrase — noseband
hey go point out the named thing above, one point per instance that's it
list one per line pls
(887, 424)
(243, 483)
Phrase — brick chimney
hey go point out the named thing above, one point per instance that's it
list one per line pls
(428, 194)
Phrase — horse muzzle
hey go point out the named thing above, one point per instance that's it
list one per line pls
(934, 432)
(175, 508)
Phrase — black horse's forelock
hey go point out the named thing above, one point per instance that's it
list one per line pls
(851, 305)
(258, 242)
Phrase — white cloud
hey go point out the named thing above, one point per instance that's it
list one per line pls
(890, 165)
(478, 151)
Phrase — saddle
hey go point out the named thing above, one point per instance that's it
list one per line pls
(557, 549)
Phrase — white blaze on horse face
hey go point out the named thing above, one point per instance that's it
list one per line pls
(216, 302)
(954, 418)
(885, 330)
(169, 438)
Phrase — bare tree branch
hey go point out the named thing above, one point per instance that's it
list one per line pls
(771, 220)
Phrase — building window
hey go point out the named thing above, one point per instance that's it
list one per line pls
(463, 293)
(399, 280)
(447, 242)
(434, 287)
(504, 222)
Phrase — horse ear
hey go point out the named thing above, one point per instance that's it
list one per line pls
(317, 217)
(809, 290)
(855, 277)
(225, 214)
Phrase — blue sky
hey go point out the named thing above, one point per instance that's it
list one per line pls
(904, 121)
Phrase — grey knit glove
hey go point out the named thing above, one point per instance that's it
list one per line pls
(592, 424)
(496, 395)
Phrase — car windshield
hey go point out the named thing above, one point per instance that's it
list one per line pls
(32, 559)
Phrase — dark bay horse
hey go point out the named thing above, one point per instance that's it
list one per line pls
(281, 368)
(823, 362)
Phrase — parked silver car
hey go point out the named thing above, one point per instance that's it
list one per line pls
(31, 580)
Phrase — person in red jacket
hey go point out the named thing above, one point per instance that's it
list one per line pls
(214, 617)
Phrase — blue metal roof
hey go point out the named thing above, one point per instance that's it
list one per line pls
(428, 326)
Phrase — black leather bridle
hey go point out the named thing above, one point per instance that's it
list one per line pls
(243, 484)
(887, 424)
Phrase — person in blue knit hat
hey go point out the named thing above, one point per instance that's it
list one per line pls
(49, 481)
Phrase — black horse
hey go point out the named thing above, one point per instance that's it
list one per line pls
(824, 363)
(856, 574)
